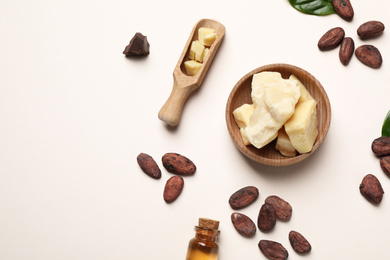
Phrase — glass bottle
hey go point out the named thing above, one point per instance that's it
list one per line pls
(204, 245)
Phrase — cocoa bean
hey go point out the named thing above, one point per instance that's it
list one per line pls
(347, 49)
(283, 209)
(385, 164)
(173, 188)
(149, 165)
(371, 189)
(370, 29)
(266, 220)
(381, 146)
(331, 39)
(178, 164)
(243, 224)
(369, 55)
(243, 197)
(273, 250)
(344, 9)
(299, 243)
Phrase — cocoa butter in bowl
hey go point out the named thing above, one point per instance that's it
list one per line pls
(241, 94)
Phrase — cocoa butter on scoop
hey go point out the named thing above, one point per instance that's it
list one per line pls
(138, 46)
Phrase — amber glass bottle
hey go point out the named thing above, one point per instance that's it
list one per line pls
(204, 245)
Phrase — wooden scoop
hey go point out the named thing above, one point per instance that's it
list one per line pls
(184, 85)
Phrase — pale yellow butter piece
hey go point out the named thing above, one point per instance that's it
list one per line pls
(206, 53)
(283, 144)
(275, 107)
(192, 67)
(196, 51)
(242, 114)
(305, 95)
(243, 136)
(209, 39)
(280, 100)
(302, 126)
(206, 36)
(260, 81)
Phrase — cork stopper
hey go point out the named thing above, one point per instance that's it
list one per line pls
(208, 223)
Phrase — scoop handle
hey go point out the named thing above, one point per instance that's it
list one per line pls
(171, 111)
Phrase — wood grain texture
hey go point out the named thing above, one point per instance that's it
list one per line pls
(241, 94)
(184, 85)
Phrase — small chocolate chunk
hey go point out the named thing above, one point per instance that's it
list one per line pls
(138, 46)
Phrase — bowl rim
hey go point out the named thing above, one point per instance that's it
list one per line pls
(285, 160)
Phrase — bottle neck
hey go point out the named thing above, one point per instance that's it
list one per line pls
(206, 234)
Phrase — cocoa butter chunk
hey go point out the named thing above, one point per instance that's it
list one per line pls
(138, 46)
(371, 189)
(381, 146)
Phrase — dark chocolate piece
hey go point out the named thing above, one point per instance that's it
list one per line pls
(138, 46)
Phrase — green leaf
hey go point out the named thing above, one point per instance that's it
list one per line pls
(314, 7)
(386, 125)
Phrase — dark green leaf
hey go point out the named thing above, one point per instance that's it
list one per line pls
(386, 125)
(315, 7)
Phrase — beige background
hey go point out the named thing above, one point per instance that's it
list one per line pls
(75, 113)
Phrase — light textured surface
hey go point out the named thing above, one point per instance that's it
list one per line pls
(75, 113)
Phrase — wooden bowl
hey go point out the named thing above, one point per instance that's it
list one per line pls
(241, 94)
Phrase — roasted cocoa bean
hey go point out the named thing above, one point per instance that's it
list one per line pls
(370, 29)
(344, 9)
(273, 250)
(385, 164)
(331, 39)
(283, 209)
(243, 224)
(299, 243)
(381, 146)
(266, 220)
(173, 188)
(371, 189)
(149, 165)
(243, 197)
(369, 55)
(347, 49)
(178, 164)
